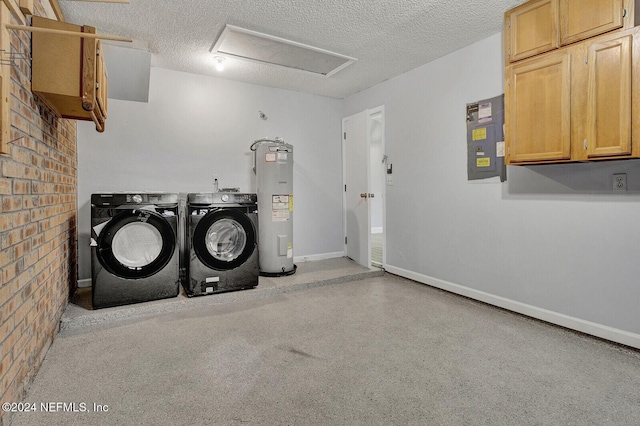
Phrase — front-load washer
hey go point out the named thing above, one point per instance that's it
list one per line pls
(221, 233)
(134, 248)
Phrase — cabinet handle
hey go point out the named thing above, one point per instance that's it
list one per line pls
(624, 13)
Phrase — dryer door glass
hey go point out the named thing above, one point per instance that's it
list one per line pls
(136, 244)
(226, 240)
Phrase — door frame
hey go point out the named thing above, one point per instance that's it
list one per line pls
(367, 158)
(373, 111)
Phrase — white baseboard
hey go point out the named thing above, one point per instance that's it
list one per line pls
(594, 329)
(84, 283)
(321, 256)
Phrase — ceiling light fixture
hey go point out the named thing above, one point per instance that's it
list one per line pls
(219, 63)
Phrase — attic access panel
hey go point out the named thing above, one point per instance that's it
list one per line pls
(241, 43)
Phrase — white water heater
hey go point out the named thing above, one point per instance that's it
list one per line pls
(273, 161)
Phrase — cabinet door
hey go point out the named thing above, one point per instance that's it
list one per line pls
(101, 80)
(538, 115)
(88, 70)
(532, 28)
(581, 19)
(609, 96)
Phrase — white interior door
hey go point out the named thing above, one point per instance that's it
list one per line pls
(357, 219)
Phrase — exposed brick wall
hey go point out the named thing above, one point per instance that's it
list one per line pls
(38, 236)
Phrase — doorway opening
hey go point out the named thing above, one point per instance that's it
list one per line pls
(378, 168)
(364, 176)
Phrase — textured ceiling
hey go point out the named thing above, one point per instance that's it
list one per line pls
(388, 37)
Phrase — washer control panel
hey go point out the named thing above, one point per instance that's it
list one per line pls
(208, 198)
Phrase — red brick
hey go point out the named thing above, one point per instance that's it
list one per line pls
(30, 230)
(19, 314)
(20, 249)
(21, 187)
(4, 364)
(37, 160)
(21, 171)
(13, 220)
(10, 271)
(30, 258)
(30, 202)
(11, 203)
(48, 200)
(44, 249)
(5, 186)
(37, 240)
(14, 236)
(10, 375)
(19, 122)
(7, 311)
(20, 154)
(5, 259)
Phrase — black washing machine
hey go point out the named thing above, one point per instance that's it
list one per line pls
(134, 248)
(222, 238)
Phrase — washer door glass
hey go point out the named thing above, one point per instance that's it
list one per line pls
(136, 244)
(226, 240)
(223, 239)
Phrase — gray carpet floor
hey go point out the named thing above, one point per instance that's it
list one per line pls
(375, 351)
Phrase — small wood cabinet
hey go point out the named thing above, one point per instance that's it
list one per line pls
(539, 26)
(609, 95)
(538, 99)
(577, 103)
(68, 72)
(530, 29)
(581, 19)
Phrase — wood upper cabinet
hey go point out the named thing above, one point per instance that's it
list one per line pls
(577, 103)
(68, 72)
(539, 26)
(581, 19)
(609, 96)
(538, 111)
(531, 28)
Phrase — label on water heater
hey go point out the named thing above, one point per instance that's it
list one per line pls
(270, 157)
(280, 208)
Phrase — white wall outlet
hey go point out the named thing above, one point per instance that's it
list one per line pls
(620, 182)
(389, 180)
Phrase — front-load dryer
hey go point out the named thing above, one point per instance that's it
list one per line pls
(134, 248)
(221, 233)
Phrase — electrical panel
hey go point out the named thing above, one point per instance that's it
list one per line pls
(485, 139)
